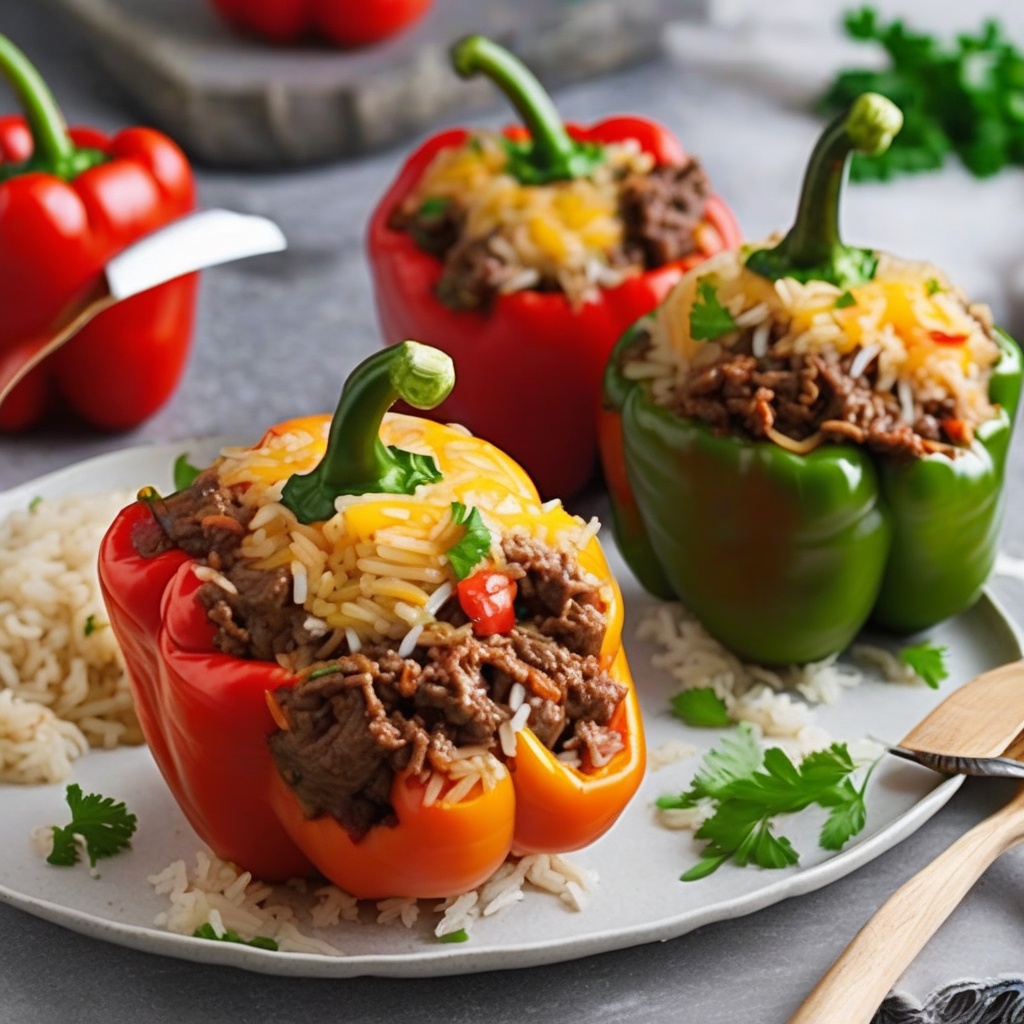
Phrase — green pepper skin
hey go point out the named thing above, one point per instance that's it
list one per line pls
(785, 557)
(946, 515)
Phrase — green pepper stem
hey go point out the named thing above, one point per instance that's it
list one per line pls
(356, 460)
(53, 148)
(554, 154)
(813, 248)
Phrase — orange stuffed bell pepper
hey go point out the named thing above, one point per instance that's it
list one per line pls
(366, 646)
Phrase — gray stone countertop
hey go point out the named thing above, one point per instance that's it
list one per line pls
(275, 337)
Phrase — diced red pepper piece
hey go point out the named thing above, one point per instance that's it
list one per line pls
(488, 598)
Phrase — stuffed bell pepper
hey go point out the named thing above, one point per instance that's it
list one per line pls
(526, 253)
(364, 645)
(806, 435)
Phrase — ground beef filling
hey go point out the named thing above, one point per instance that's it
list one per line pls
(359, 718)
(660, 211)
(815, 394)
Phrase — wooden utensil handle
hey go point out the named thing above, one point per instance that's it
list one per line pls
(855, 985)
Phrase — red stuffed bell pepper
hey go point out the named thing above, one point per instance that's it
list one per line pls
(525, 255)
(340, 22)
(69, 201)
(330, 673)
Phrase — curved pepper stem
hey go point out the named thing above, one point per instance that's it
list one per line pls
(53, 149)
(356, 460)
(551, 154)
(813, 250)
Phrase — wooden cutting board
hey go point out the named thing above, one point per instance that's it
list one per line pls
(235, 101)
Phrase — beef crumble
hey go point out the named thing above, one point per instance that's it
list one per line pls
(361, 717)
(804, 395)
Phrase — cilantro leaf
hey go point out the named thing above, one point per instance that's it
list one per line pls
(35, 503)
(709, 319)
(92, 625)
(928, 661)
(104, 824)
(845, 301)
(205, 931)
(476, 542)
(701, 707)
(751, 787)
(184, 472)
(458, 936)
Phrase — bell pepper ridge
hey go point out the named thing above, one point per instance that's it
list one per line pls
(356, 461)
(53, 150)
(813, 250)
(550, 153)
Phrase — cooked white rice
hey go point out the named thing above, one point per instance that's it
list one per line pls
(215, 892)
(62, 683)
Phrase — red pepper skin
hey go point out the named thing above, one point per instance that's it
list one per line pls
(488, 598)
(57, 236)
(341, 22)
(203, 713)
(546, 358)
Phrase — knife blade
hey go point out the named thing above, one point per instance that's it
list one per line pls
(197, 241)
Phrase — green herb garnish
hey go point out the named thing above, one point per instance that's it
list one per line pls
(92, 625)
(845, 301)
(205, 931)
(104, 824)
(932, 286)
(35, 503)
(459, 936)
(701, 707)
(964, 97)
(433, 206)
(476, 542)
(928, 661)
(709, 319)
(184, 472)
(751, 786)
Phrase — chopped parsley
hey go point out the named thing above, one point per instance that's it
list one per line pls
(845, 301)
(701, 707)
(751, 786)
(35, 503)
(459, 936)
(932, 286)
(206, 931)
(465, 556)
(91, 625)
(184, 472)
(928, 661)
(433, 206)
(709, 319)
(103, 823)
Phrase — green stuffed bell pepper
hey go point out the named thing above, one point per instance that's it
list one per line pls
(805, 436)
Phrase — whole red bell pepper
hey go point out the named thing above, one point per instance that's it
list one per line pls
(341, 22)
(209, 717)
(530, 366)
(69, 201)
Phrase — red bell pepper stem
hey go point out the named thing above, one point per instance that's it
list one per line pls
(53, 149)
(552, 154)
(813, 249)
(356, 460)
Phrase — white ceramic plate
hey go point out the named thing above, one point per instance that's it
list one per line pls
(639, 897)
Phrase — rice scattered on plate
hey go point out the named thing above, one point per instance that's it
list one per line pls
(63, 689)
(217, 893)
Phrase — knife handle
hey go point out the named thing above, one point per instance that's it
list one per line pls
(855, 985)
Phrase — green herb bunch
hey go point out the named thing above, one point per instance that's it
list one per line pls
(965, 97)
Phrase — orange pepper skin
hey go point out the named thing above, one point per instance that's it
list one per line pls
(433, 852)
(560, 809)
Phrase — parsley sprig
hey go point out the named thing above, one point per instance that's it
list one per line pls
(964, 97)
(709, 319)
(928, 660)
(102, 822)
(751, 786)
(466, 555)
